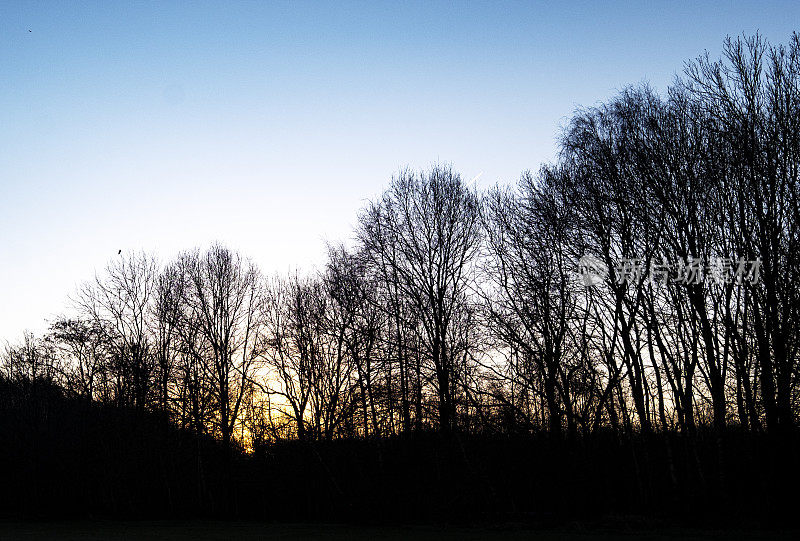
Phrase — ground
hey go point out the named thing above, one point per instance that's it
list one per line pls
(245, 531)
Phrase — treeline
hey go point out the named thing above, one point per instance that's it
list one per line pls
(65, 457)
(460, 311)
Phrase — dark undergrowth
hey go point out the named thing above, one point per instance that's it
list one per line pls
(62, 458)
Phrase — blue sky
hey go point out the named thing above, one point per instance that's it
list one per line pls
(165, 126)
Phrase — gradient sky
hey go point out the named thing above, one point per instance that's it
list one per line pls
(165, 126)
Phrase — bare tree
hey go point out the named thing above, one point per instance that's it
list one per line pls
(424, 233)
(224, 298)
(83, 344)
(292, 352)
(119, 303)
(533, 300)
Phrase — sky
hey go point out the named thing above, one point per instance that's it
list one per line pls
(164, 126)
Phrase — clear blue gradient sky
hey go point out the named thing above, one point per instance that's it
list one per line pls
(167, 125)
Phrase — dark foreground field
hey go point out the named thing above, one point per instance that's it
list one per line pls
(244, 531)
(71, 469)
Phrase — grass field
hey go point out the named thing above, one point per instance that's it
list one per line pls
(245, 531)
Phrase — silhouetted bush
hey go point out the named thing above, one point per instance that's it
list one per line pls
(64, 457)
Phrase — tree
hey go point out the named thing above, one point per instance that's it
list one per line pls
(224, 300)
(533, 301)
(119, 304)
(83, 343)
(424, 235)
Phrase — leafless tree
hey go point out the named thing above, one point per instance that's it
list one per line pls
(224, 299)
(424, 236)
(119, 302)
(84, 346)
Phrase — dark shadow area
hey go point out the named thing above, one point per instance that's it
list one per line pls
(66, 458)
